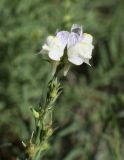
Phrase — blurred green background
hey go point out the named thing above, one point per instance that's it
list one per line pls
(89, 116)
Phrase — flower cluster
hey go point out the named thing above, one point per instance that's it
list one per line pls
(78, 44)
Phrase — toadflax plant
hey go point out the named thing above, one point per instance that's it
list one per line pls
(62, 50)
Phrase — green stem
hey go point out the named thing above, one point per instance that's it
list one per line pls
(44, 123)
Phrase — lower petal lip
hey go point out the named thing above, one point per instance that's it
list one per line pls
(75, 60)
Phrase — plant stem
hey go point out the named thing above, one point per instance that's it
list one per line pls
(43, 122)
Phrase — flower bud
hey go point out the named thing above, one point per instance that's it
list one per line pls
(35, 113)
(49, 132)
(30, 149)
(53, 93)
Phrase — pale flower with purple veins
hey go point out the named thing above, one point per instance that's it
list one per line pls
(79, 45)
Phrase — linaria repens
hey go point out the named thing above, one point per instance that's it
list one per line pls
(62, 50)
(77, 44)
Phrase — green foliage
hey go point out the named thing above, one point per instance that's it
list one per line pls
(89, 115)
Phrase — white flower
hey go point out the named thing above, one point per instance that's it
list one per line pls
(79, 45)
(81, 51)
(54, 48)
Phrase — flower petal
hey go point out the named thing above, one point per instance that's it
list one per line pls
(74, 57)
(54, 48)
(80, 52)
(75, 60)
(45, 47)
(63, 37)
(87, 38)
(72, 39)
(84, 49)
(77, 29)
(55, 54)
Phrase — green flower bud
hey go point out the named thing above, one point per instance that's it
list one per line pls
(45, 146)
(49, 132)
(53, 94)
(35, 113)
(48, 119)
(30, 149)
